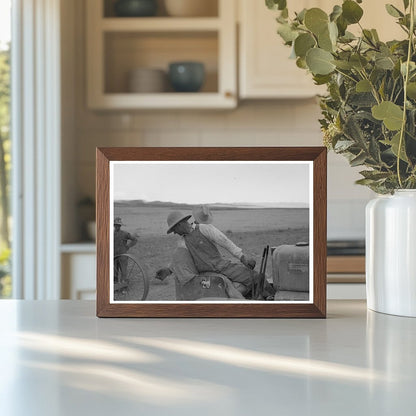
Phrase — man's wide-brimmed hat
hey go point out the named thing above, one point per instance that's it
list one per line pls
(202, 214)
(118, 221)
(175, 217)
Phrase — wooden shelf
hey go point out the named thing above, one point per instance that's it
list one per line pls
(160, 24)
(196, 100)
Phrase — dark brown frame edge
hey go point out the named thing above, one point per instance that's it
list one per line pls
(317, 309)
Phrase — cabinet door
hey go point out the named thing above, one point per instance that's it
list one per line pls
(265, 68)
(266, 71)
(78, 276)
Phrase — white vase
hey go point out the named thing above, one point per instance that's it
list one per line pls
(391, 253)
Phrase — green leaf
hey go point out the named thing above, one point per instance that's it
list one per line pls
(354, 132)
(319, 61)
(384, 62)
(276, 4)
(301, 63)
(303, 43)
(301, 15)
(358, 160)
(411, 90)
(351, 11)
(393, 11)
(358, 61)
(316, 20)
(343, 145)
(287, 33)
(325, 42)
(321, 79)
(333, 32)
(281, 19)
(368, 36)
(375, 35)
(345, 65)
(347, 37)
(394, 143)
(363, 86)
(391, 114)
(374, 174)
(336, 12)
(412, 67)
(342, 25)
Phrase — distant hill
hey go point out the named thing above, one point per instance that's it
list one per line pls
(214, 206)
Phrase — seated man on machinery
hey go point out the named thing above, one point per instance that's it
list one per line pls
(201, 241)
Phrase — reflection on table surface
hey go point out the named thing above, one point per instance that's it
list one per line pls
(354, 362)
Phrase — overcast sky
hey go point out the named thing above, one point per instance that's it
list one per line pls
(204, 183)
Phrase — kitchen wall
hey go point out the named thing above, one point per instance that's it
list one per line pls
(253, 123)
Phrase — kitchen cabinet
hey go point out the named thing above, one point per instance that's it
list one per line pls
(78, 263)
(265, 70)
(118, 45)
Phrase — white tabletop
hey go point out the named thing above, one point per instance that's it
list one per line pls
(57, 358)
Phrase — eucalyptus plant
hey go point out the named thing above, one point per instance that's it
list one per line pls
(369, 111)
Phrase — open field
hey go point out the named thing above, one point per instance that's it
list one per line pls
(250, 229)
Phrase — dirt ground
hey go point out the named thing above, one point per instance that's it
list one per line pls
(154, 253)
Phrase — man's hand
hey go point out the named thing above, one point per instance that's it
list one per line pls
(162, 274)
(248, 262)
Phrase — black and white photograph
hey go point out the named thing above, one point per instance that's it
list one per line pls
(191, 231)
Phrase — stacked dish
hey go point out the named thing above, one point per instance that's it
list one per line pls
(147, 80)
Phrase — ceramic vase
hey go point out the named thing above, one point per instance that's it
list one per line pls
(135, 8)
(391, 253)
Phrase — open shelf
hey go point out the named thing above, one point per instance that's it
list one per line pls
(210, 9)
(127, 51)
(116, 46)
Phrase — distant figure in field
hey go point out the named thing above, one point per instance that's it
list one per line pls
(123, 241)
(202, 214)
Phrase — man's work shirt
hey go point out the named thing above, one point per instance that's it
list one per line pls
(218, 238)
(121, 239)
(202, 242)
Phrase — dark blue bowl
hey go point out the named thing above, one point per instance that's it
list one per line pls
(186, 76)
(135, 8)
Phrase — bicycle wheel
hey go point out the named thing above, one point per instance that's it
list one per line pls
(132, 281)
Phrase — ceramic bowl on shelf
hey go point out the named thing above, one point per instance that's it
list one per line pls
(191, 8)
(186, 76)
(135, 8)
(147, 80)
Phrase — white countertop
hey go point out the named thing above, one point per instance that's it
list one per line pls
(57, 358)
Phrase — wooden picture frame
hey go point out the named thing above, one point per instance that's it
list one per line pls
(267, 161)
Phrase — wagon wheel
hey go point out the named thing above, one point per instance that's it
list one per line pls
(130, 279)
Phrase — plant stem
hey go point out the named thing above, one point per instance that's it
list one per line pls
(405, 81)
(346, 75)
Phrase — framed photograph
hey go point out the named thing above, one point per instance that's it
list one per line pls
(211, 232)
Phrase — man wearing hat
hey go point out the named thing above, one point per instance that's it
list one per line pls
(123, 241)
(202, 241)
(202, 214)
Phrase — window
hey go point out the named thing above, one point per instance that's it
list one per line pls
(5, 159)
